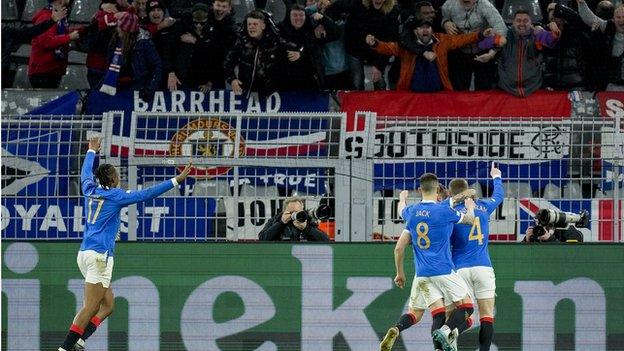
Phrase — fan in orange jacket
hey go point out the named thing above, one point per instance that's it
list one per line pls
(427, 71)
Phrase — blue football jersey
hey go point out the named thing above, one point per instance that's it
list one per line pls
(470, 243)
(430, 225)
(103, 207)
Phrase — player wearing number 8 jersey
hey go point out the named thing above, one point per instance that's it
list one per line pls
(428, 228)
(470, 253)
(95, 259)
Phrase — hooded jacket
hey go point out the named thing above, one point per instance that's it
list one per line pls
(42, 56)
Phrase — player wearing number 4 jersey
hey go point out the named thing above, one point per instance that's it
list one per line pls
(470, 253)
(429, 226)
(103, 204)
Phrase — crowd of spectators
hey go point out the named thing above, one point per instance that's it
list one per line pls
(411, 45)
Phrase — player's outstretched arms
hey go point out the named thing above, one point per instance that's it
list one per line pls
(132, 197)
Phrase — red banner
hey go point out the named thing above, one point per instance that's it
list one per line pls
(457, 104)
(611, 104)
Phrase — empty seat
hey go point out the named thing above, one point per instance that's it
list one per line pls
(242, 8)
(21, 78)
(9, 10)
(551, 191)
(30, 8)
(83, 10)
(277, 9)
(572, 191)
(518, 190)
(531, 6)
(23, 52)
(75, 78)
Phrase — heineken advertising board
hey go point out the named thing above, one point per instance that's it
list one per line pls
(274, 296)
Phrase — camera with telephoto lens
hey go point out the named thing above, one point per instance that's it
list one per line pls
(314, 215)
(557, 219)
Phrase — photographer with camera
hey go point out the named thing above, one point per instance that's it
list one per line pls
(553, 226)
(295, 224)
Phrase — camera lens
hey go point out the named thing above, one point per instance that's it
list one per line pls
(300, 216)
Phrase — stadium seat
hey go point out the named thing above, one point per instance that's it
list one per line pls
(551, 191)
(9, 10)
(22, 53)
(30, 8)
(83, 10)
(518, 190)
(478, 189)
(21, 78)
(76, 78)
(277, 9)
(572, 191)
(531, 6)
(241, 9)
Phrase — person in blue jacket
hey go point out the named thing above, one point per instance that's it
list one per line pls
(103, 204)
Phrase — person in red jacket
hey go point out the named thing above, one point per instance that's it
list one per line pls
(48, 57)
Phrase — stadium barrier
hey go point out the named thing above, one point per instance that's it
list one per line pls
(247, 163)
(223, 296)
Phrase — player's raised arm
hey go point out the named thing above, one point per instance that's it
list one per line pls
(499, 191)
(132, 197)
(86, 174)
(399, 254)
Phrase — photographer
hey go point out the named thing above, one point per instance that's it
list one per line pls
(550, 234)
(288, 226)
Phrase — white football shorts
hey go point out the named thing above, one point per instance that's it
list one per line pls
(95, 267)
(427, 290)
(480, 280)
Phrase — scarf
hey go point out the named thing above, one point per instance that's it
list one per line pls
(109, 85)
(61, 28)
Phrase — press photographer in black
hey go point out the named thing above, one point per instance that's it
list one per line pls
(554, 226)
(294, 223)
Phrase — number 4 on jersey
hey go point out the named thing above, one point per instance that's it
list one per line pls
(475, 231)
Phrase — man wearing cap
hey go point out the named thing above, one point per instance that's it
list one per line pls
(206, 37)
(429, 72)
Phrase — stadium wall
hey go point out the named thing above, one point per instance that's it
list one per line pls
(254, 296)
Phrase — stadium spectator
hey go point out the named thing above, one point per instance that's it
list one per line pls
(133, 60)
(613, 31)
(376, 17)
(162, 31)
(99, 33)
(301, 70)
(14, 37)
(256, 54)
(605, 10)
(286, 227)
(206, 37)
(428, 72)
(141, 10)
(466, 16)
(330, 35)
(520, 64)
(48, 57)
(565, 62)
